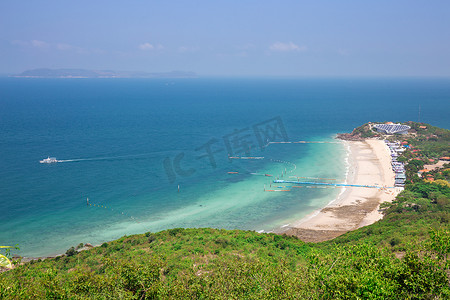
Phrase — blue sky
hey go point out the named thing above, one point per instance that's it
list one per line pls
(229, 38)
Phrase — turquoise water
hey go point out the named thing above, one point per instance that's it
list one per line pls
(119, 133)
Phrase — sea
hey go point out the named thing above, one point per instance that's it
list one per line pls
(139, 155)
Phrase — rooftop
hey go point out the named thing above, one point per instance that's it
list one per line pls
(392, 128)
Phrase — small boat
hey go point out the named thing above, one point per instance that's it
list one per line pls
(48, 160)
(268, 175)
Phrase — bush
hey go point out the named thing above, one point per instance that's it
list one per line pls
(394, 241)
(151, 238)
(71, 251)
(175, 231)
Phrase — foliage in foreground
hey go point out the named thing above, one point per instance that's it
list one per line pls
(217, 264)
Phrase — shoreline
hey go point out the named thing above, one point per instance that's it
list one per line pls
(355, 207)
(335, 218)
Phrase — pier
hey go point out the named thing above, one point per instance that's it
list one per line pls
(331, 184)
(304, 142)
(245, 157)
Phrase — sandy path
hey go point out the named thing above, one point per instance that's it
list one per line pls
(356, 207)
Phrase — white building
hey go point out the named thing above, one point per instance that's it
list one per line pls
(392, 128)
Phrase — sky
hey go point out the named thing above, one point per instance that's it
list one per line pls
(229, 38)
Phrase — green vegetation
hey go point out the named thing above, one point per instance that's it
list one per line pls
(209, 263)
(432, 141)
(403, 256)
(4, 260)
(364, 131)
(426, 142)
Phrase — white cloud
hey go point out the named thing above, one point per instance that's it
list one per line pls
(62, 46)
(39, 44)
(148, 46)
(68, 47)
(286, 47)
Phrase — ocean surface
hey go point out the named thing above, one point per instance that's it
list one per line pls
(152, 154)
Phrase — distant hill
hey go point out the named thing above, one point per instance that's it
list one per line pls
(83, 73)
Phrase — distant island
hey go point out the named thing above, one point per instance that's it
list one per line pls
(83, 73)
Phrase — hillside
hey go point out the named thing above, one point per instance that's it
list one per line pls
(403, 256)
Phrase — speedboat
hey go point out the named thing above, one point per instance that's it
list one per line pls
(48, 160)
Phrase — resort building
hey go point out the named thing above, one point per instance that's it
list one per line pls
(396, 149)
(392, 128)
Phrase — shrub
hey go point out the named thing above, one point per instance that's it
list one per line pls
(71, 251)
(151, 238)
(175, 231)
(394, 241)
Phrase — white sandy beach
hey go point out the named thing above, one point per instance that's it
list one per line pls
(356, 206)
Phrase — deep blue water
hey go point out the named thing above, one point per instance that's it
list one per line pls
(126, 128)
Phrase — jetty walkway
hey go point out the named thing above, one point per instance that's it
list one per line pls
(331, 184)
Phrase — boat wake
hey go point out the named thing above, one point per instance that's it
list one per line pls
(51, 160)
